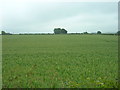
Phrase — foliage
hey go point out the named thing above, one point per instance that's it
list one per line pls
(59, 61)
(60, 31)
(4, 33)
(118, 32)
(85, 32)
(98, 32)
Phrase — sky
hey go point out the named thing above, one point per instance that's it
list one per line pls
(33, 16)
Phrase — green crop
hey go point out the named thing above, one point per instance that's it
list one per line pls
(60, 61)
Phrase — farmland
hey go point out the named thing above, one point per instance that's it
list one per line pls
(59, 61)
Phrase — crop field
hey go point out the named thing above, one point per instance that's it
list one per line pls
(59, 61)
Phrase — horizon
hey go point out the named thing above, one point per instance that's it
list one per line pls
(53, 32)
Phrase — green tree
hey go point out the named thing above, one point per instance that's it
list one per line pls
(60, 31)
(118, 32)
(85, 32)
(98, 32)
(3, 32)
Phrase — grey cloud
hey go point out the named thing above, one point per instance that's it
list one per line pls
(43, 17)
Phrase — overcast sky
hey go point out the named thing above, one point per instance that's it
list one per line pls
(34, 16)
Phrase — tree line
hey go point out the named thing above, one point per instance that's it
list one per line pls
(58, 31)
(4, 33)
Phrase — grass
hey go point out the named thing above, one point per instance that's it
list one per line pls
(60, 61)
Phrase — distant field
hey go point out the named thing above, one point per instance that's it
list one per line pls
(60, 61)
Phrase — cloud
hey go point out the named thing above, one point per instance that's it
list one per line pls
(83, 22)
(23, 16)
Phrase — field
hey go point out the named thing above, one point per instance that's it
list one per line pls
(60, 61)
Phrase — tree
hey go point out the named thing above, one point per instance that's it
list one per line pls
(98, 32)
(60, 31)
(3, 32)
(63, 31)
(85, 32)
(118, 33)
